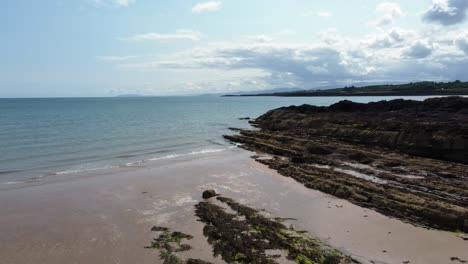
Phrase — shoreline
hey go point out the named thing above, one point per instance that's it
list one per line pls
(57, 152)
(350, 95)
(108, 218)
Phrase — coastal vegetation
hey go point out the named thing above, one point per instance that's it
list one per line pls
(409, 89)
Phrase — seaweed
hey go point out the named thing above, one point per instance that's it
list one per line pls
(170, 243)
(249, 236)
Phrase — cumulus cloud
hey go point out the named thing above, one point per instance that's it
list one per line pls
(447, 12)
(181, 34)
(390, 12)
(386, 55)
(285, 65)
(263, 39)
(462, 43)
(390, 8)
(209, 6)
(418, 50)
(394, 38)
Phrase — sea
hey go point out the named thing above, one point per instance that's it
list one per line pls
(47, 138)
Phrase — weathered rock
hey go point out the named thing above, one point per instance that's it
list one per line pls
(405, 159)
(434, 128)
(208, 194)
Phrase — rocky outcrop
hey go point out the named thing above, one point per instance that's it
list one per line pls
(435, 128)
(403, 158)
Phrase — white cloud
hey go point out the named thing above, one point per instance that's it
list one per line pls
(285, 65)
(447, 12)
(390, 8)
(263, 39)
(181, 34)
(390, 11)
(394, 38)
(384, 21)
(209, 6)
(385, 55)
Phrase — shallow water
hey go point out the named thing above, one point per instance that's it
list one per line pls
(41, 138)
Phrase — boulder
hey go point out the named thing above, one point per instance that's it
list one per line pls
(208, 194)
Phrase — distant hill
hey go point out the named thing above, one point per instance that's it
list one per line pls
(417, 88)
(269, 91)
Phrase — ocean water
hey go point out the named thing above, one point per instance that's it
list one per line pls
(55, 137)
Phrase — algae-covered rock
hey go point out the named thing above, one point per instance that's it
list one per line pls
(170, 244)
(248, 236)
(405, 159)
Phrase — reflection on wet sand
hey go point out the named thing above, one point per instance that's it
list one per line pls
(107, 218)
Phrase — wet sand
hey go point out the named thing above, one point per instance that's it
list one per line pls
(106, 217)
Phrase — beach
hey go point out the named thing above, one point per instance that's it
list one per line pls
(106, 216)
(211, 131)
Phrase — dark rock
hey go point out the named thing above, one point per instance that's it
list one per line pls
(208, 194)
(159, 229)
(405, 159)
(197, 261)
(360, 157)
(434, 128)
(298, 159)
(457, 259)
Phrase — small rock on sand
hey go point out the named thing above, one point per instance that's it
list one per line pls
(208, 194)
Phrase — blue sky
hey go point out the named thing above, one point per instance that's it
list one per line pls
(110, 47)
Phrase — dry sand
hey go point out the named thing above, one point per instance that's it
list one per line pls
(106, 217)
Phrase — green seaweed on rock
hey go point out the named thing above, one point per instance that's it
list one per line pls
(249, 236)
(170, 243)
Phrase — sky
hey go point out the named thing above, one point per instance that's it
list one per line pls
(67, 48)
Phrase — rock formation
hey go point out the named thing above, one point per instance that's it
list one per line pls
(403, 158)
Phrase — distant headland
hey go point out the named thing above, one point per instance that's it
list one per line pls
(408, 89)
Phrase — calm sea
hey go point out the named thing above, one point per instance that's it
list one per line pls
(59, 136)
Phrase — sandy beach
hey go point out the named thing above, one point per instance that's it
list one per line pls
(245, 132)
(106, 217)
